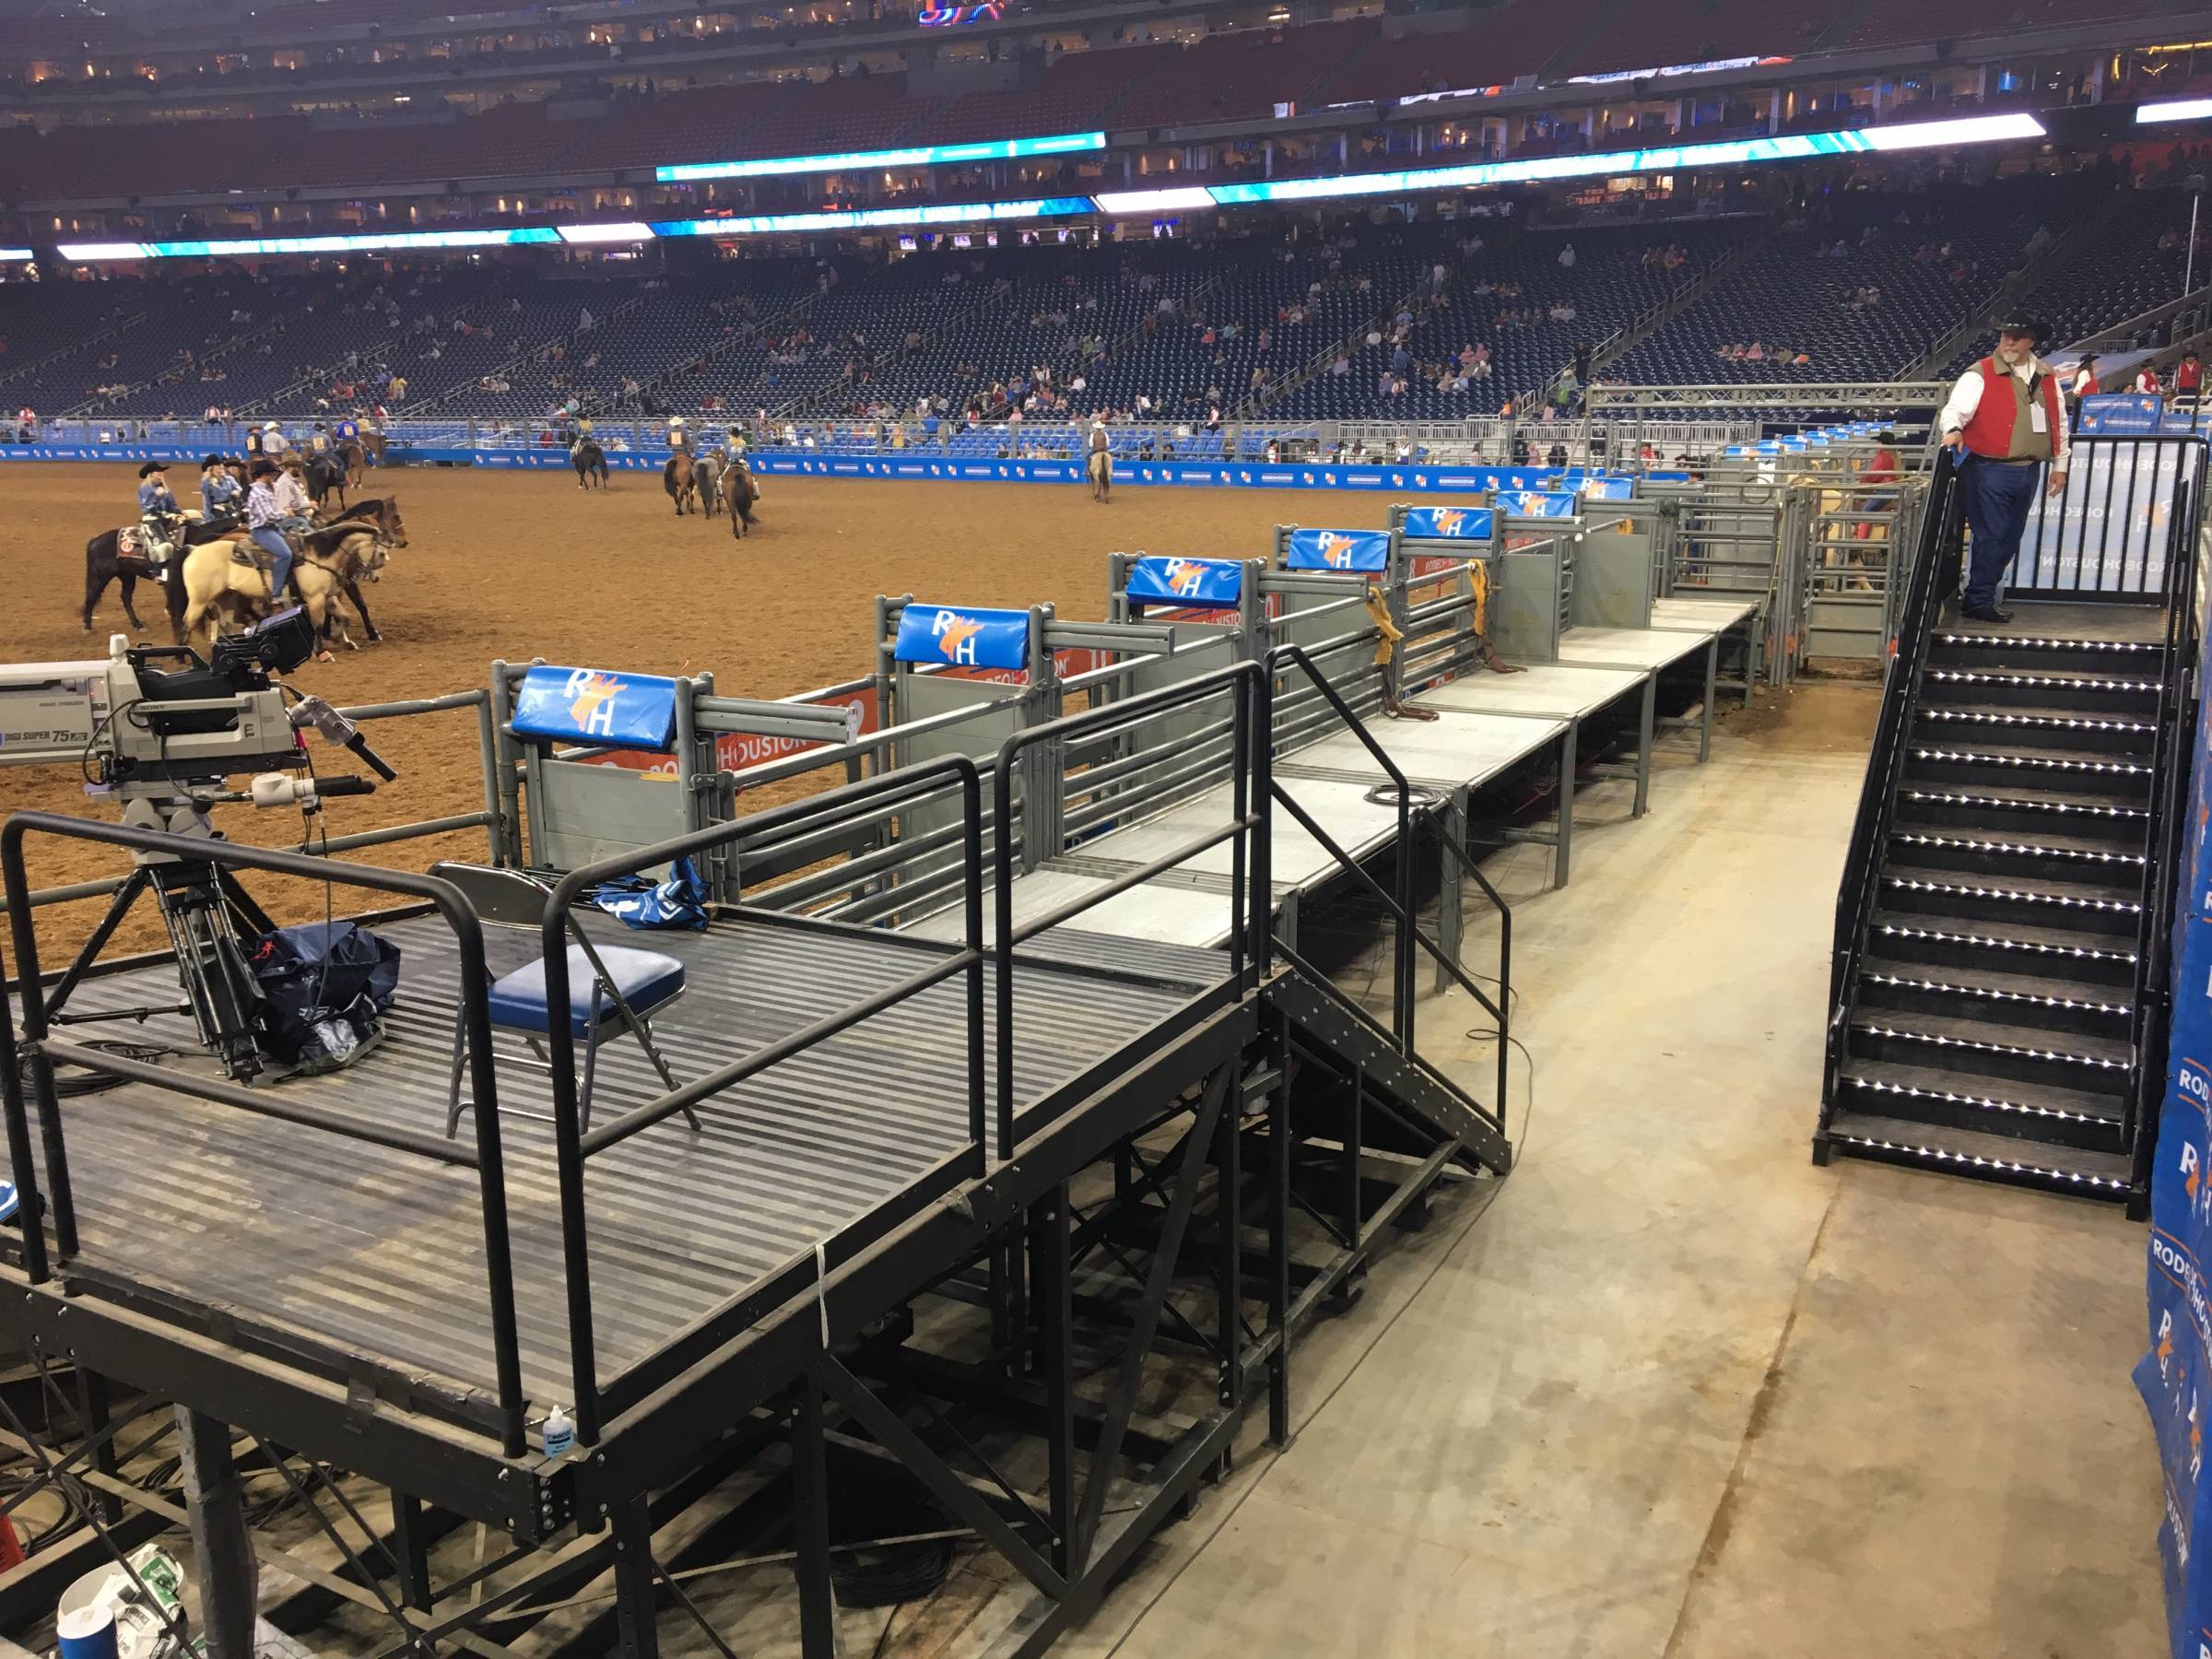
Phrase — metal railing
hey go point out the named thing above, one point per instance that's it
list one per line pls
(1935, 577)
(43, 1051)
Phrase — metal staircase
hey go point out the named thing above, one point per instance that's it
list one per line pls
(1998, 998)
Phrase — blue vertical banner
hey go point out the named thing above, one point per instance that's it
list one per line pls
(2174, 1376)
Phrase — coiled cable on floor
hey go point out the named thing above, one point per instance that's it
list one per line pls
(1416, 795)
(886, 1576)
(69, 1083)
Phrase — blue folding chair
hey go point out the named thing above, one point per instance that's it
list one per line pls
(612, 989)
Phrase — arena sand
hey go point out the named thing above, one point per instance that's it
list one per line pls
(521, 565)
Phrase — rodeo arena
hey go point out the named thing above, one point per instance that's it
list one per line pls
(1129, 826)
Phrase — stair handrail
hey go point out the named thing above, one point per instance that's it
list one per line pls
(1407, 932)
(1935, 577)
(2163, 837)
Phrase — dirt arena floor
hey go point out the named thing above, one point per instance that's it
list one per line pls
(504, 565)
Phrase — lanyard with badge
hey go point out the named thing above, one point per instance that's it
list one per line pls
(2038, 420)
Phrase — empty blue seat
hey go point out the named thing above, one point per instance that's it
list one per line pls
(643, 979)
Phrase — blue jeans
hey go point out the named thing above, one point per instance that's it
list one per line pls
(280, 554)
(1998, 497)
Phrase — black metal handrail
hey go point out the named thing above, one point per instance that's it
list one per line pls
(43, 1051)
(1250, 890)
(2163, 834)
(1935, 577)
(871, 797)
(1407, 933)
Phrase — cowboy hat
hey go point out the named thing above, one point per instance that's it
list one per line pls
(263, 468)
(153, 467)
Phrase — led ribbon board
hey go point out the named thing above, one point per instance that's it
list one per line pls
(921, 155)
(593, 706)
(863, 219)
(2177, 109)
(946, 17)
(1536, 503)
(1210, 581)
(1450, 524)
(1362, 551)
(1797, 146)
(956, 637)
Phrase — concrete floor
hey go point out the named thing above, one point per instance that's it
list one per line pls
(1671, 1390)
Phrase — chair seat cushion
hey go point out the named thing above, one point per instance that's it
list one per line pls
(646, 979)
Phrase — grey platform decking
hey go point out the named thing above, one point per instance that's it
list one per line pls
(380, 1254)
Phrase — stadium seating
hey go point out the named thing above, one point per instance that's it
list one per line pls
(1242, 72)
(1488, 49)
(1653, 35)
(1907, 22)
(1797, 292)
(1075, 94)
(2122, 274)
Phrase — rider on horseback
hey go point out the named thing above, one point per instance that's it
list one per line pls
(160, 520)
(266, 520)
(221, 496)
(679, 436)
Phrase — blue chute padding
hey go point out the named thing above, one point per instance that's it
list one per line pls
(1609, 489)
(959, 636)
(1160, 581)
(640, 902)
(595, 706)
(1450, 524)
(1536, 503)
(1676, 477)
(646, 979)
(1362, 551)
(10, 1200)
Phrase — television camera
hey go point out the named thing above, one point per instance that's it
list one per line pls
(163, 731)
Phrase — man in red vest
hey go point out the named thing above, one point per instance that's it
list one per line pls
(2002, 425)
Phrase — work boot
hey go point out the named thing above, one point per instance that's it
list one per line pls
(1985, 613)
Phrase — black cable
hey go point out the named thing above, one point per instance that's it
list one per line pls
(67, 1084)
(895, 1574)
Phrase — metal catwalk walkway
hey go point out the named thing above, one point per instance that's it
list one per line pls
(380, 1254)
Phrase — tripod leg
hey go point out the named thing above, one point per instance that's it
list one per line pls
(242, 902)
(125, 896)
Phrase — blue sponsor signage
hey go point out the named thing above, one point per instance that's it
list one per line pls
(1609, 489)
(952, 636)
(1215, 582)
(597, 706)
(1450, 524)
(1536, 503)
(2173, 1376)
(2121, 413)
(1365, 551)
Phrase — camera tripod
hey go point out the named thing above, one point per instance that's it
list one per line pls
(201, 906)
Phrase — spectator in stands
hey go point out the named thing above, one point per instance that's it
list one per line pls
(2002, 421)
(1567, 257)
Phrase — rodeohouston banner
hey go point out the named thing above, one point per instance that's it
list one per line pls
(911, 464)
(2175, 1376)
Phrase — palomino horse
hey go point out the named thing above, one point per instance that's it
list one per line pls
(706, 472)
(215, 581)
(380, 516)
(1101, 468)
(333, 561)
(590, 461)
(679, 480)
(116, 555)
(354, 458)
(738, 494)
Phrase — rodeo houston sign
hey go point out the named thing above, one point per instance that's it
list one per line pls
(2175, 1376)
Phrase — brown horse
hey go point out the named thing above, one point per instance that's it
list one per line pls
(738, 494)
(679, 480)
(380, 517)
(355, 460)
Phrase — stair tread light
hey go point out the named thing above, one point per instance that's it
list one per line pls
(2086, 952)
(1993, 1102)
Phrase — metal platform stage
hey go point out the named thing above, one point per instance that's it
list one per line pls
(380, 1258)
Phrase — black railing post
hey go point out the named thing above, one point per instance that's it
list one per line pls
(1260, 911)
(34, 1035)
(1001, 823)
(568, 1153)
(971, 918)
